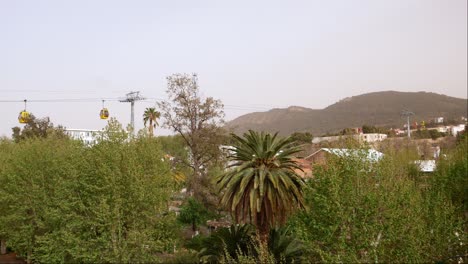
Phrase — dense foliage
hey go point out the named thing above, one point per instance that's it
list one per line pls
(452, 177)
(427, 133)
(302, 137)
(193, 213)
(240, 244)
(37, 128)
(366, 129)
(364, 212)
(64, 202)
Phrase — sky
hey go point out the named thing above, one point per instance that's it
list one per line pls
(252, 55)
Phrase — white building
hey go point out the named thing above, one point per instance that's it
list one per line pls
(369, 138)
(457, 129)
(88, 136)
(426, 165)
(373, 137)
(228, 151)
(438, 120)
(443, 129)
(371, 155)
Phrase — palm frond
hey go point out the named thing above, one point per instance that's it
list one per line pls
(261, 187)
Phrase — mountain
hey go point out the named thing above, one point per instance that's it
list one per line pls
(379, 109)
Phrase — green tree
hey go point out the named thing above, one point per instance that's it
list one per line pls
(6, 148)
(37, 127)
(347, 131)
(367, 129)
(376, 212)
(31, 183)
(262, 186)
(69, 203)
(435, 134)
(302, 137)
(193, 213)
(451, 175)
(151, 116)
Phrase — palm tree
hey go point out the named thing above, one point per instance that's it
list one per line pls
(284, 247)
(151, 116)
(227, 242)
(261, 186)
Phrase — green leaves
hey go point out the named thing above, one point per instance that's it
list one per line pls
(151, 116)
(379, 213)
(261, 187)
(194, 213)
(63, 202)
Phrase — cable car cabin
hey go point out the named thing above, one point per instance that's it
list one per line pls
(24, 117)
(104, 113)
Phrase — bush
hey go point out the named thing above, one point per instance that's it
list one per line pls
(64, 202)
(240, 244)
(378, 213)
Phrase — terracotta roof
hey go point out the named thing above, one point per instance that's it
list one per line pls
(306, 167)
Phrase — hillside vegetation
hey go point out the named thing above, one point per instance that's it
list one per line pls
(379, 109)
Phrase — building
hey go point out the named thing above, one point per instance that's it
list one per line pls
(373, 137)
(455, 130)
(368, 138)
(438, 120)
(443, 129)
(399, 132)
(228, 151)
(306, 167)
(320, 156)
(426, 165)
(87, 136)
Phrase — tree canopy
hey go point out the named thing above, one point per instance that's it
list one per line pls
(65, 202)
(37, 127)
(262, 186)
(198, 121)
(151, 117)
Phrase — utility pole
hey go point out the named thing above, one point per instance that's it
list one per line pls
(131, 98)
(408, 127)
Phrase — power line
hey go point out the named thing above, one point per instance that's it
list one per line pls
(61, 100)
(145, 100)
(56, 91)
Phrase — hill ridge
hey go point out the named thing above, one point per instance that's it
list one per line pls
(375, 108)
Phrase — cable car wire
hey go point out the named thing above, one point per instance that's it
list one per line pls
(151, 100)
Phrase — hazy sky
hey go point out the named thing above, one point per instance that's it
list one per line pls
(253, 55)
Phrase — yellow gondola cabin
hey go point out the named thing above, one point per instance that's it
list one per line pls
(24, 117)
(104, 113)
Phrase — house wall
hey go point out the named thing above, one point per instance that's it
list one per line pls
(87, 136)
(457, 129)
(319, 158)
(374, 137)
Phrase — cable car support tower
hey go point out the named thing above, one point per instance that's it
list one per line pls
(407, 114)
(131, 98)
